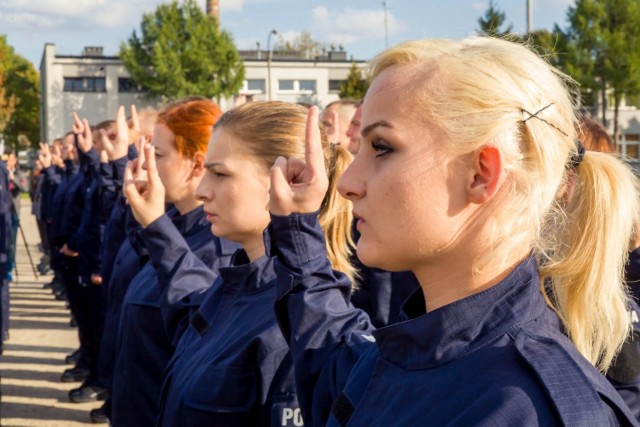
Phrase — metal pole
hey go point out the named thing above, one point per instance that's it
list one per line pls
(272, 32)
(386, 27)
(529, 16)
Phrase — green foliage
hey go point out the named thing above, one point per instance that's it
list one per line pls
(19, 99)
(492, 22)
(181, 52)
(605, 35)
(551, 45)
(354, 87)
(303, 44)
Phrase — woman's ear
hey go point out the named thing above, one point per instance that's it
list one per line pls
(198, 164)
(488, 174)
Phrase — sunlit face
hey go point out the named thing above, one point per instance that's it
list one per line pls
(235, 190)
(354, 131)
(174, 169)
(12, 161)
(402, 183)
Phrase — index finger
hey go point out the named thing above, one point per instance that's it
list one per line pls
(121, 122)
(313, 142)
(134, 118)
(77, 123)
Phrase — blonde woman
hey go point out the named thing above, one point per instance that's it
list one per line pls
(466, 147)
(232, 366)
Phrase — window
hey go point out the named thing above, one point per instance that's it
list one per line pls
(126, 84)
(285, 84)
(631, 137)
(299, 86)
(334, 85)
(85, 84)
(307, 85)
(256, 85)
(632, 151)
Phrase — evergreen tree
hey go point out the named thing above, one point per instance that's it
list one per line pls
(181, 52)
(605, 58)
(354, 87)
(493, 21)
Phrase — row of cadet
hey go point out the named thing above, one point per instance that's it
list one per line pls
(459, 259)
(13, 183)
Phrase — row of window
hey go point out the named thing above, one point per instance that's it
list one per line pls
(290, 85)
(98, 84)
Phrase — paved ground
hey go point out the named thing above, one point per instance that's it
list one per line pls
(33, 360)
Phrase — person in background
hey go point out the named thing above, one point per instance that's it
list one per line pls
(18, 184)
(232, 366)
(336, 118)
(460, 179)
(353, 132)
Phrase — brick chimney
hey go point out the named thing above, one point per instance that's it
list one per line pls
(213, 9)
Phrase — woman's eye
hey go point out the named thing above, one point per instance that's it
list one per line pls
(381, 147)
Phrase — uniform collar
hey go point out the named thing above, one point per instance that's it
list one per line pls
(190, 222)
(248, 277)
(450, 332)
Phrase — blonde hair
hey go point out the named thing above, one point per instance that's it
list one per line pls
(272, 129)
(487, 91)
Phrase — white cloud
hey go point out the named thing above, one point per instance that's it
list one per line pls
(231, 5)
(22, 15)
(481, 6)
(353, 25)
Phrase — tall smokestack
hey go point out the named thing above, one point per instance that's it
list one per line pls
(213, 9)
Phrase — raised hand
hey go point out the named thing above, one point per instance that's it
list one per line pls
(83, 131)
(118, 146)
(45, 156)
(146, 197)
(56, 156)
(299, 186)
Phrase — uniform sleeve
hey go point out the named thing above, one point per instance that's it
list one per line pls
(182, 276)
(326, 334)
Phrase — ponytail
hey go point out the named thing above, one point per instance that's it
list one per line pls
(585, 255)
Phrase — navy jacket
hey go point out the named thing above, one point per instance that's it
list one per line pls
(145, 341)
(633, 273)
(127, 264)
(494, 358)
(232, 367)
(90, 230)
(624, 373)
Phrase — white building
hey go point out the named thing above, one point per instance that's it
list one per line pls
(96, 85)
(91, 83)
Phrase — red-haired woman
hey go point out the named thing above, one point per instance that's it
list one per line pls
(145, 342)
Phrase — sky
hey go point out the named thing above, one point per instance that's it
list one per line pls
(357, 25)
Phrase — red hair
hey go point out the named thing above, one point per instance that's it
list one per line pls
(191, 120)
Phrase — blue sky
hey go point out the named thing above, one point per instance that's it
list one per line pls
(356, 24)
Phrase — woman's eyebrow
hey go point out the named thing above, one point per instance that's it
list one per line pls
(380, 123)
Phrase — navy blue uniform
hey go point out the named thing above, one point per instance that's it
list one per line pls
(632, 273)
(232, 366)
(154, 312)
(6, 204)
(129, 260)
(494, 358)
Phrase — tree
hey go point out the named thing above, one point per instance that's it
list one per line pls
(605, 35)
(181, 52)
(303, 44)
(493, 21)
(551, 45)
(19, 99)
(354, 87)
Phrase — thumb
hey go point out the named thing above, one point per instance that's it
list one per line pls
(280, 192)
(129, 187)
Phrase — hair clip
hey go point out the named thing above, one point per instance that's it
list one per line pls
(535, 115)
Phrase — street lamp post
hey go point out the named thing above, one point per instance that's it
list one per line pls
(270, 52)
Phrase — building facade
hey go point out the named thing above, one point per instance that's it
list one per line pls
(96, 85)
